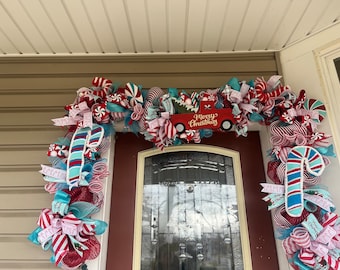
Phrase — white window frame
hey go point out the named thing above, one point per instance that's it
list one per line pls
(325, 57)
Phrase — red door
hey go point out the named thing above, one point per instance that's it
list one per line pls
(261, 235)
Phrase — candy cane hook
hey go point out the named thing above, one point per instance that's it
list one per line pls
(299, 158)
(82, 138)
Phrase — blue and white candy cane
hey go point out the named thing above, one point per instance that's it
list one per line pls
(299, 158)
(82, 139)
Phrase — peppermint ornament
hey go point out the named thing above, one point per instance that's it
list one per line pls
(316, 105)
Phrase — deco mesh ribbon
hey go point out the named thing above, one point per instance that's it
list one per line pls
(303, 211)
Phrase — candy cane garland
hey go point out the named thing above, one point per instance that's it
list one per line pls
(82, 138)
(299, 158)
(294, 164)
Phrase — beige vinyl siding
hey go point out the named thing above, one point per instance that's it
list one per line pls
(33, 90)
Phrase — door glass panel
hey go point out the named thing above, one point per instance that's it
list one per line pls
(190, 217)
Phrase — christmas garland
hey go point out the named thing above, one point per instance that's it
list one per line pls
(303, 210)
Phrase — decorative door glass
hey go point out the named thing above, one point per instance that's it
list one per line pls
(189, 213)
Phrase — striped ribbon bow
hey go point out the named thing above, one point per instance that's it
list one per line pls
(161, 130)
(315, 242)
(63, 232)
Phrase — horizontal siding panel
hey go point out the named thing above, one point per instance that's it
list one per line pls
(19, 248)
(24, 176)
(30, 135)
(145, 68)
(33, 98)
(16, 265)
(17, 117)
(179, 80)
(18, 222)
(23, 155)
(24, 198)
(132, 65)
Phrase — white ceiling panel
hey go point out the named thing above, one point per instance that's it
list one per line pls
(234, 19)
(309, 18)
(213, 24)
(121, 28)
(272, 18)
(289, 23)
(177, 21)
(251, 23)
(35, 10)
(196, 23)
(98, 16)
(138, 22)
(116, 27)
(330, 15)
(157, 20)
(64, 25)
(81, 21)
(26, 26)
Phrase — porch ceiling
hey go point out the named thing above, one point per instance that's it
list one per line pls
(119, 27)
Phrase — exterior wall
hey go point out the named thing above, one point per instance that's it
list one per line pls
(35, 90)
(300, 70)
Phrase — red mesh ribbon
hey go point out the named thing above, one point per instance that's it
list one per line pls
(81, 193)
(73, 260)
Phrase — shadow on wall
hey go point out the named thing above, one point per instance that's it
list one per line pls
(337, 66)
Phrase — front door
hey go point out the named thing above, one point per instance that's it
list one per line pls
(121, 227)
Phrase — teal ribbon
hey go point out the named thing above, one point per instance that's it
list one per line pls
(317, 189)
(312, 225)
(63, 141)
(326, 151)
(100, 225)
(255, 117)
(167, 104)
(33, 236)
(53, 179)
(61, 202)
(114, 87)
(83, 210)
(173, 92)
(251, 83)
(234, 84)
(152, 113)
(112, 107)
(236, 110)
(87, 170)
(275, 200)
(205, 133)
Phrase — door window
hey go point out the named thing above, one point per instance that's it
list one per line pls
(190, 211)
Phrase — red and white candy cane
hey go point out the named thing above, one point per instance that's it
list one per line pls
(299, 158)
(104, 84)
(263, 96)
(154, 93)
